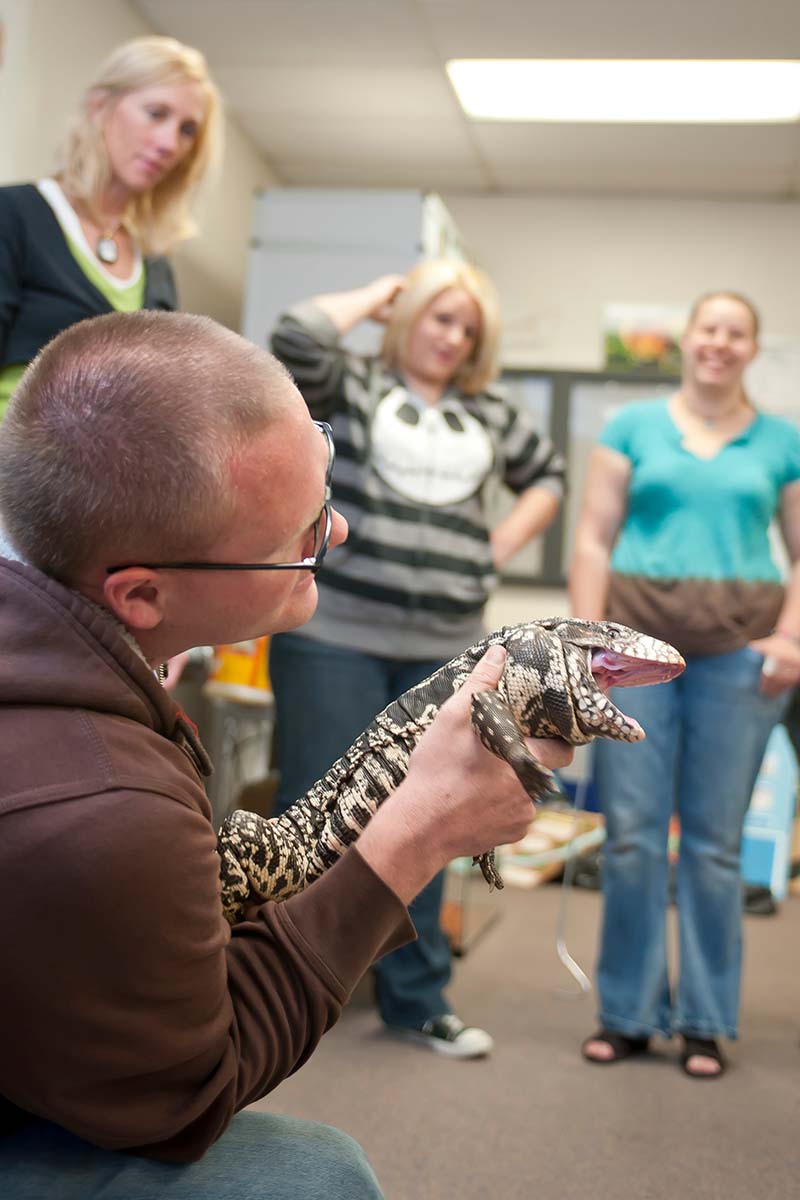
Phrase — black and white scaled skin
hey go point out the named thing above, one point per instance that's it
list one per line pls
(555, 684)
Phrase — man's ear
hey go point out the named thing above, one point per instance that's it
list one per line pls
(136, 597)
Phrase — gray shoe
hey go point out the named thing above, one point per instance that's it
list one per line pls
(447, 1034)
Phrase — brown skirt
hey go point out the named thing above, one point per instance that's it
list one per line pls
(697, 616)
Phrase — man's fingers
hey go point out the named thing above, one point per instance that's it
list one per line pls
(487, 672)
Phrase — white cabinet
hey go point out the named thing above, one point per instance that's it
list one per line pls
(306, 241)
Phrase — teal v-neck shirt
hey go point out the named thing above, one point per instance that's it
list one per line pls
(694, 518)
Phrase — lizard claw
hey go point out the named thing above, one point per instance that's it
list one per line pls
(489, 870)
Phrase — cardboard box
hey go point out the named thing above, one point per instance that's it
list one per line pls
(557, 834)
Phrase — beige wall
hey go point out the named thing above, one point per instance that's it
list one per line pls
(558, 259)
(15, 22)
(52, 49)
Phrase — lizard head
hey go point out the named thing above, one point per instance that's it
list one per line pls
(571, 664)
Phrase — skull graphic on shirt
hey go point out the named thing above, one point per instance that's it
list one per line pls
(432, 454)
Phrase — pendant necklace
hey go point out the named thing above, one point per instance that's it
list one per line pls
(107, 248)
(709, 420)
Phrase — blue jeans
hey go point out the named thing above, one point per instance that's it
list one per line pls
(259, 1157)
(325, 697)
(706, 736)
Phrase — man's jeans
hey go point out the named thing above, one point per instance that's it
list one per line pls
(259, 1157)
(706, 735)
(326, 696)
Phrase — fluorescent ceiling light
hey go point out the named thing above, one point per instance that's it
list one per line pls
(630, 90)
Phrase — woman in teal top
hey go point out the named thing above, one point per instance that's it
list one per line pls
(673, 539)
(93, 238)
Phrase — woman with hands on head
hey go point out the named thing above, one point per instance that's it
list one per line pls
(91, 239)
(419, 433)
(673, 540)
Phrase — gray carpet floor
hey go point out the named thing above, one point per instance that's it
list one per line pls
(534, 1120)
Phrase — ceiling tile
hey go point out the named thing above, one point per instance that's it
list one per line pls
(295, 32)
(313, 91)
(741, 159)
(614, 29)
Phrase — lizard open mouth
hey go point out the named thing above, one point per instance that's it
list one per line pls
(608, 669)
(611, 669)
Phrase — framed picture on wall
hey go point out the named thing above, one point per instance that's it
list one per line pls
(643, 339)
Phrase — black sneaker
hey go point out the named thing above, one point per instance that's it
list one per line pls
(758, 900)
(447, 1034)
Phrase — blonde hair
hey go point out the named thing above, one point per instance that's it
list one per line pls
(118, 443)
(160, 217)
(723, 295)
(423, 284)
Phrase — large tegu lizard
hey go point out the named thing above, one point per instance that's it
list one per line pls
(555, 684)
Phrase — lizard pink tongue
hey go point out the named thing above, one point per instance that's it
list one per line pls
(618, 670)
(612, 670)
(607, 668)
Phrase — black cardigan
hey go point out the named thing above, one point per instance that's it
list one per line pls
(42, 288)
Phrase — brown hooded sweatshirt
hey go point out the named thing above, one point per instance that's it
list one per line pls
(130, 1013)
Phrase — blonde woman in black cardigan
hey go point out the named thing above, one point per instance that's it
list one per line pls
(93, 238)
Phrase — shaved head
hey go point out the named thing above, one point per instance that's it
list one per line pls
(120, 440)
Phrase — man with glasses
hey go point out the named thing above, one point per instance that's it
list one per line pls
(321, 535)
(162, 486)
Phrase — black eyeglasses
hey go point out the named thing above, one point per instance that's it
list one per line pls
(322, 536)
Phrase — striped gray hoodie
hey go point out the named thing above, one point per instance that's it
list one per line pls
(413, 577)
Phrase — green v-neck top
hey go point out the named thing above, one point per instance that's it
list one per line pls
(44, 287)
(692, 563)
(695, 518)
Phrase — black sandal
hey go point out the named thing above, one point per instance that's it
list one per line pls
(706, 1048)
(622, 1045)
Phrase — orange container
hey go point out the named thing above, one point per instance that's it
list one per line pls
(240, 672)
